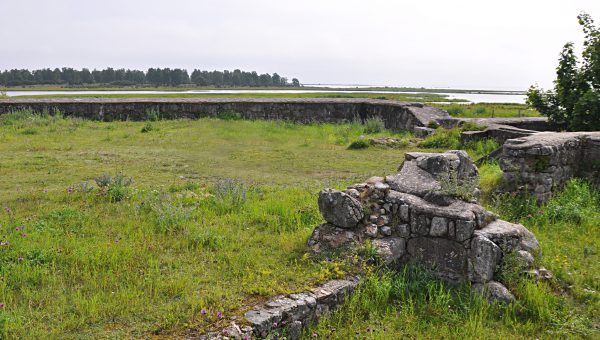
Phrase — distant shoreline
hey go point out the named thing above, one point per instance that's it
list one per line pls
(339, 87)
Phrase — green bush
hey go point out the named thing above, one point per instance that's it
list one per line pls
(359, 144)
(442, 138)
(374, 125)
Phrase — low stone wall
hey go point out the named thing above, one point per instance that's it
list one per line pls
(542, 163)
(428, 214)
(397, 116)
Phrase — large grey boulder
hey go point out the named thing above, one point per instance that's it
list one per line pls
(340, 209)
(483, 260)
(509, 236)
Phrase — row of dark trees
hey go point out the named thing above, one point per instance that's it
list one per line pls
(154, 76)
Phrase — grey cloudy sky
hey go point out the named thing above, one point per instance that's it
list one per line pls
(507, 44)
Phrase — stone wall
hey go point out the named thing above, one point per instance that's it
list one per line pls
(398, 116)
(544, 162)
(427, 214)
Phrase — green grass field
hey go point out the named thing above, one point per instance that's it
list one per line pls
(216, 220)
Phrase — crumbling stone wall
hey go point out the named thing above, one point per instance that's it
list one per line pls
(397, 116)
(542, 163)
(415, 216)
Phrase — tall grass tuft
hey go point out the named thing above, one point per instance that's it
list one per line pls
(374, 125)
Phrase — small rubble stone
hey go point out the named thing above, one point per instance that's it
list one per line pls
(371, 230)
(386, 231)
(439, 227)
(494, 292)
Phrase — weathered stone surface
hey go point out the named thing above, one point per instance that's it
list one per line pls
(463, 230)
(494, 292)
(510, 236)
(422, 132)
(439, 227)
(484, 258)
(446, 257)
(340, 209)
(326, 237)
(543, 162)
(294, 311)
(397, 116)
(390, 249)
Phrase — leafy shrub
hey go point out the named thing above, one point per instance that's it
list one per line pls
(147, 128)
(153, 115)
(229, 115)
(359, 144)
(481, 147)
(374, 125)
(442, 138)
(115, 187)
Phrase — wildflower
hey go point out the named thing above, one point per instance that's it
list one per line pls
(7, 209)
(245, 337)
(203, 312)
(24, 235)
(22, 227)
(2, 305)
(219, 315)
(20, 259)
(274, 324)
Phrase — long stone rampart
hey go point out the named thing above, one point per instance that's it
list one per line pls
(398, 116)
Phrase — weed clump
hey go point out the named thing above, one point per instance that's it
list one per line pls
(374, 125)
(229, 194)
(147, 128)
(153, 115)
(462, 188)
(115, 187)
(359, 144)
(229, 115)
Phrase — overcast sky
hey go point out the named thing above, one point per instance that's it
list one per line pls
(505, 44)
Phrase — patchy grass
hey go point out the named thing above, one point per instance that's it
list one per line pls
(216, 218)
(108, 231)
(485, 110)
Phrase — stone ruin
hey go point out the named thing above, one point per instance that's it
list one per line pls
(543, 162)
(416, 216)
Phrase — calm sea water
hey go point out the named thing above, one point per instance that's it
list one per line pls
(471, 97)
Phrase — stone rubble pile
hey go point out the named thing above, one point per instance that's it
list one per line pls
(411, 217)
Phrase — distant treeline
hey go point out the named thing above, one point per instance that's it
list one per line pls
(154, 76)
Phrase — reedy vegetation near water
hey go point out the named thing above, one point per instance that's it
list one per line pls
(78, 263)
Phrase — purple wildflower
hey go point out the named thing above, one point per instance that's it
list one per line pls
(2, 306)
(274, 324)
(24, 235)
(20, 259)
(245, 337)
(219, 315)
(22, 227)
(203, 311)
